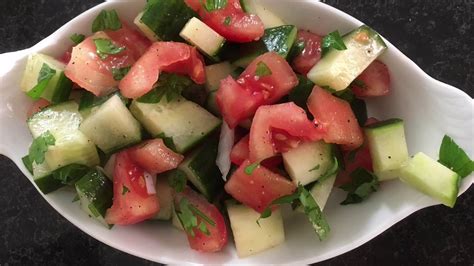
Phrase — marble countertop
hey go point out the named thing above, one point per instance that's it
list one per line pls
(436, 34)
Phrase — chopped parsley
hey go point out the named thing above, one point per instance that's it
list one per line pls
(213, 5)
(45, 75)
(77, 38)
(119, 73)
(262, 70)
(106, 47)
(331, 171)
(177, 180)
(227, 21)
(106, 20)
(40, 146)
(363, 184)
(250, 168)
(188, 216)
(169, 85)
(125, 190)
(332, 41)
(455, 158)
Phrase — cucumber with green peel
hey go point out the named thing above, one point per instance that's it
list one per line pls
(164, 19)
(71, 146)
(388, 147)
(185, 122)
(95, 192)
(431, 178)
(211, 104)
(268, 18)
(55, 89)
(310, 161)
(250, 237)
(203, 37)
(112, 126)
(43, 178)
(89, 103)
(215, 73)
(201, 169)
(338, 68)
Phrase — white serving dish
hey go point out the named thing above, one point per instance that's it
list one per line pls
(430, 109)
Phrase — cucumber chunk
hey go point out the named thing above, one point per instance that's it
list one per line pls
(164, 19)
(201, 169)
(90, 103)
(337, 69)
(165, 196)
(43, 178)
(112, 126)
(388, 147)
(71, 146)
(268, 18)
(95, 192)
(214, 74)
(431, 178)
(185, 122)
(203, 37)
(58, 88)
(249, 237)
(309, 161)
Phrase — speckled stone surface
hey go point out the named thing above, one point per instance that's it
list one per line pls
(437, 35)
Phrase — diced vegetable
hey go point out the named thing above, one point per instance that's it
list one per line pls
(268, 18)
(373, 81)
(203, 37)
(165, 197)
(240, 151)
(155, 157)
(310, 53)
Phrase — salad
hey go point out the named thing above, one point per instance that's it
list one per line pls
(212, 115)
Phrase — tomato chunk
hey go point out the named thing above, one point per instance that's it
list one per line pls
(171, 57)
(238, 100)
(277, 128)
(373, 82)
(311, 53)
(131, 204)
(230, 21)
(37, 106)
(258, 189)
(336, 118)
(218, 234)
(89, 71)
(240, 151)
(155, 157)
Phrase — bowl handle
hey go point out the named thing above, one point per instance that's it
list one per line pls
(12, 105)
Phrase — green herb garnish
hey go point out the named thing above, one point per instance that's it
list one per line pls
(363, 183)
(106, 20)
(331, 171)
(187, 215)
(169, 85)
(227, 21)
(250, 168)
(40, 146)
(177, 180)
(213, 5)
(125, 190)
(77, 38)
(262, 70)
(455, 158)
(332, 41)
(45, 75)
(119, 73)
(106, 47)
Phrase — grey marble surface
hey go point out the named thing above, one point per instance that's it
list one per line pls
(437, 35)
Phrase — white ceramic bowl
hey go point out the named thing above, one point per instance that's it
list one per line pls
(430, 110)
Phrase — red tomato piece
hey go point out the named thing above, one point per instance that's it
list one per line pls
(131, 204)
(336, 118)
(172, 57)
(94, 74)
(238, 100)
(230, 21)
(260, 188)
(311, 53)
(66, 57)
(373, 82)
(217, 238)
(155, 157)
(240, 151)
(277, 128)
(37, 106)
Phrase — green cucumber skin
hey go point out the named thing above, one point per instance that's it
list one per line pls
(166, 18)
(48, 184)
(63, 89)
(385, 123)
(98, 189)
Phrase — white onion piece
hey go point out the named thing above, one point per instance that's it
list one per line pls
(150, 181)
(226, 141)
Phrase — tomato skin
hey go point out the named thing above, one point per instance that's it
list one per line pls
(260, 188)
(155, 157)
(240, 151)
(276, 128)
(171, 57)
(311, 53)
(373, 82)
(238, 100)
(131, 203)
(218, 236)
(37, 106)
(336, 118)
(231, 21)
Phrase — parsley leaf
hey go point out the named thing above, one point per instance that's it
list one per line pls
(362, 185)
(227, 21)
(455, 158)
(332, 40)
(213, 5)
(69, 174)
(314, 213)
(331, 171)
(287, 199)
(125, 190)
(119, 73)
(250, 168)
(169, 85)
(40, 146)
(45, 75)
(187, 215)
(106, 20)
(262, 70)
(106, 47)
(77, 38)
(359, 83)
(177, 180)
